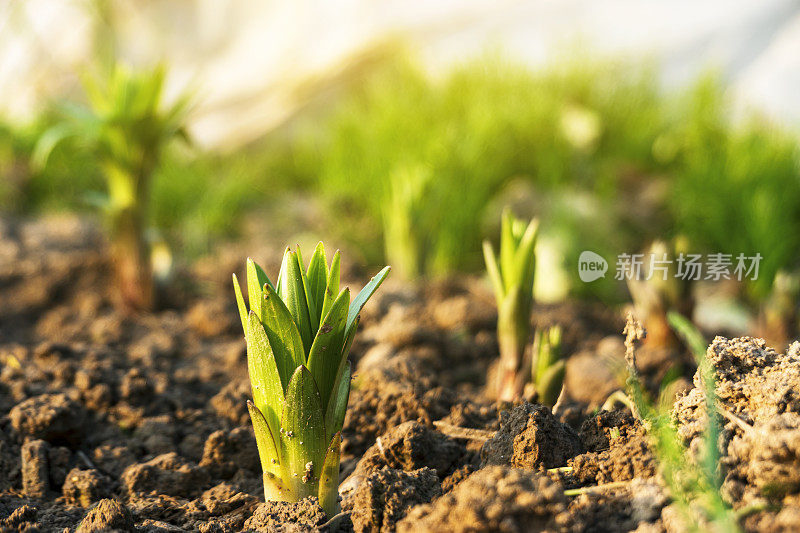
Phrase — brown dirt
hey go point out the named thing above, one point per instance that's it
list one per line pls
(759, 388)
(139, 422)
(494, 498)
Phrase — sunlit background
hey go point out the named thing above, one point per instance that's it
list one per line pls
(401, 129)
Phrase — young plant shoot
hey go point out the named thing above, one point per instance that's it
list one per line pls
(127, 126)
(547, 366)
(299, 331)
(512, 279)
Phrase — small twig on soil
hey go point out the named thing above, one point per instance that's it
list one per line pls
(334, 521)
(86, 460)
(731, 417)
(560, 470)
(634, 331)
(380, 447)
(744, 512)
(560, 401)
(596, 488)
(618, 397)
(458, 432)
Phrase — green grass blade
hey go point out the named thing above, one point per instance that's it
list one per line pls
(303, 435)
(365, 294)
(265, 441)
(283, 335)
(263, 370)
(690, 334)
(550, 383)
(525, 257)
(332, 289)
(507, 248)
(293, 294)
(325, 360)
(493, 270)
(240, 304)
(317, 275)
(329, 478)
(337, 407)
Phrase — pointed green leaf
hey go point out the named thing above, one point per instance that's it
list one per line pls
(337, 407)
(507, 248)
(303, 431)
(283, 336)
(350, 334)
(294, 296)
(524, 257)
(264, 376)
(256, 278)
(550, 383)
(299, 256)
(329, 478)
(309, 298)
(365, 294)
(332, 289)
(317, 276)
(325, 359)
(493, 271)
(284, 263)
(265, 441)
(240, 304)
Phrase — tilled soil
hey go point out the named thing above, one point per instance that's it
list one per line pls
(139, 423)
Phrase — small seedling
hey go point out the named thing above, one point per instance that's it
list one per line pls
(299, 332)
(656, 289)
(512, 278)
(694, 485)
(127, 127)
(547, 367)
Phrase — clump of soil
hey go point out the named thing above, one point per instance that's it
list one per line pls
(758, 390)
(531, 437)
(384, 496)
(495, 498)
(619, 450)
(274, 517)
(107, 515)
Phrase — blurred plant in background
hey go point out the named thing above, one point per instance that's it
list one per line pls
(416, 167)
(512, 274)
(127, 126)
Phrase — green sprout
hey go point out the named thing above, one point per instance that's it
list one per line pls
(512, 279)
(127, 127)
(548, 368)
(658, 290)
(299, 332)
(694, 484)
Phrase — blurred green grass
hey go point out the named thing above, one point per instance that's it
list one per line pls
(413, 167)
